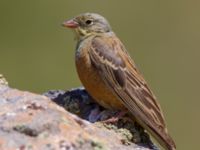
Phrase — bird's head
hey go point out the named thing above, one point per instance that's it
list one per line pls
(87, 24)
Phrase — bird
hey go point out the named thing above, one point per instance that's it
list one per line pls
(111, 77)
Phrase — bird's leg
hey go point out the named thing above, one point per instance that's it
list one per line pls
(115, 118)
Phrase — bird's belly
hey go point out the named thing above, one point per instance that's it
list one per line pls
(95, 86)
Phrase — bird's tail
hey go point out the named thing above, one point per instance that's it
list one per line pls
(164, 139)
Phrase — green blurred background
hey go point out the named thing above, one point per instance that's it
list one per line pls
(37, 54)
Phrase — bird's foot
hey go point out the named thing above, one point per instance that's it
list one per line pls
(115, 118)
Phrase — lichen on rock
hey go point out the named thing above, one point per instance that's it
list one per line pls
(3, 80)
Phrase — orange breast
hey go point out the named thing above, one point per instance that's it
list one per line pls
(93, 82)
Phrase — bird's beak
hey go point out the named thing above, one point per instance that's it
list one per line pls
(70, 24)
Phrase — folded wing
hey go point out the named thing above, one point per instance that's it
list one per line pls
(119, 72)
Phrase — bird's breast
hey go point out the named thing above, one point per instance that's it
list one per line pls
(92, 81)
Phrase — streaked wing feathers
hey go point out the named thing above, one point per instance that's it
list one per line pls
(114, 70)
(118, 71)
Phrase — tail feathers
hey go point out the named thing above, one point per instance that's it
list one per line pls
(164, 139)
(170, 145)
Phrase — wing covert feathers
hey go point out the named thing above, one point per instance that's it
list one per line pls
(119, 72)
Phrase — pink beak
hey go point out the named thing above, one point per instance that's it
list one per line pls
(70, 24)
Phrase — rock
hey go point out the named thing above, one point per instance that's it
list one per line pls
(79, 102)
(30, 121)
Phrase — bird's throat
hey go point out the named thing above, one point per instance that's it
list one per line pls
(81, 34)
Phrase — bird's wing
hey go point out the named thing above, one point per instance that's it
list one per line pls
(118, 71)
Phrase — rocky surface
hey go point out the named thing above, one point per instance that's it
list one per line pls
(30, 121)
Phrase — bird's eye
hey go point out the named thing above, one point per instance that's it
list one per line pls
(88, 22)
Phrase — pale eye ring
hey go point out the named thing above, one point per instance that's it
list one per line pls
(88, 22)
